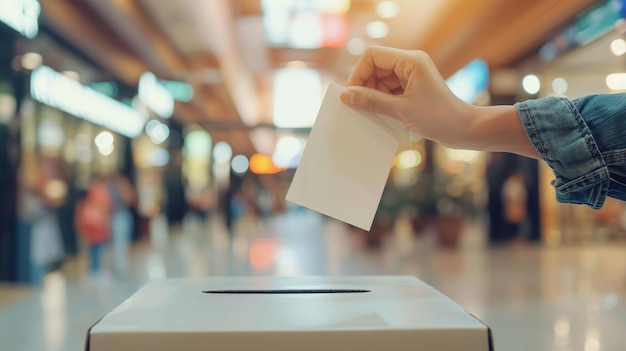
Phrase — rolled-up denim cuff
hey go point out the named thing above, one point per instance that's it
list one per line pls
(562, 138)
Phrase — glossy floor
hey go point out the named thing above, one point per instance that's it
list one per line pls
(534, 298)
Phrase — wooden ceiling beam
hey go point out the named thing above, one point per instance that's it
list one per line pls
(499, 31)
(111, 49)
(131, 24)
(529, 29)
(78, 28)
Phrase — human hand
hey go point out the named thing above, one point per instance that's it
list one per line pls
(406, 85)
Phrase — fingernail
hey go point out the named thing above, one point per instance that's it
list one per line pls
(347, 97)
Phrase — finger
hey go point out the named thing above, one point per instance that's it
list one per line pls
(368, 99)
(370, 82)
(390, 83)
(375, 59)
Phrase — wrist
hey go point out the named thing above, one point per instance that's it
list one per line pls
(499, 129)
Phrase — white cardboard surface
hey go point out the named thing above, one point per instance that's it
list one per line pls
(346, 162)
(399, 313)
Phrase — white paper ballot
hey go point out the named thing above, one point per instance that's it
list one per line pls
(346, 162)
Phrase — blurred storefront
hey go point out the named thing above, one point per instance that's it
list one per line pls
(64, 122)
(585, 57)
(15, 24)
(18, 24)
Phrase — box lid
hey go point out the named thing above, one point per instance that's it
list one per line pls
(396, 310)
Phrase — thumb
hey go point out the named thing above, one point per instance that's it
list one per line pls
(369, 99)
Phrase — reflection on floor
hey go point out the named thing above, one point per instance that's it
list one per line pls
(534, 298)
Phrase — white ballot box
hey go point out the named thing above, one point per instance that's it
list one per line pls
(354, 313)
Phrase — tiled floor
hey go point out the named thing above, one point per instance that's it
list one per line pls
(534, 298)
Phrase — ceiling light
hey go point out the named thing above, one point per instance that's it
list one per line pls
(387, 9)
(408, 159)
(222, 152)
(107, 150)
(56, 90)
(240, 164)
(151, 125)
(31, 60)
(616, 81)
(356, 46)
(377, 29)
(334, 6)
(71, 75)
(559, 85)
(618, 47)
(288, 152)
(305, 31)
(8, 107)
(50, 134)
(159, 133)
(104, 140)
(298, 93)
(461, 155)
(159, 157)
(296, 65)
(197, 143)
(23, 16)
(155, 96)
(531, 84)
(288, 147)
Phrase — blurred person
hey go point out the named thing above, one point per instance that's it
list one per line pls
(230, 201)
(93, 222)
(514, 200)
(583, 140)
(123, 198)
(41, 194)
(200, 202)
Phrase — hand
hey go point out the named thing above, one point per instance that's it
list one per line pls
(406, 85)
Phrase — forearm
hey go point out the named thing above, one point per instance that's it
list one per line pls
(499, 129)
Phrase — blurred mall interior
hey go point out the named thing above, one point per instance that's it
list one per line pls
(189, 119)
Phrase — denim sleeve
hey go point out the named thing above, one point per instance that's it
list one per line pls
(583, 141)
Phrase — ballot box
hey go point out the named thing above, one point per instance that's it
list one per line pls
(307, 313)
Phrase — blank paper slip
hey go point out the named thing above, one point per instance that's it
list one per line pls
(346, 161)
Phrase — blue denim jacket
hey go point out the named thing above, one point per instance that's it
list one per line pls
(583, 141)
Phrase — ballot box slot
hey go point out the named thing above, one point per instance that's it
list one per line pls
(287, 291)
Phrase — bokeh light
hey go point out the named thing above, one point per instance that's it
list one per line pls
(240, 164)
(559, 85)
(222, 152)
(531, 84)
(618, 47)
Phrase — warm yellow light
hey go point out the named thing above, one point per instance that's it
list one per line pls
(377, 29)
(71, 75)
(408, 159)
(467, 156)
(263, 164)
(31, 60)
(296, 65)
(387, 9)
(104, 139)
